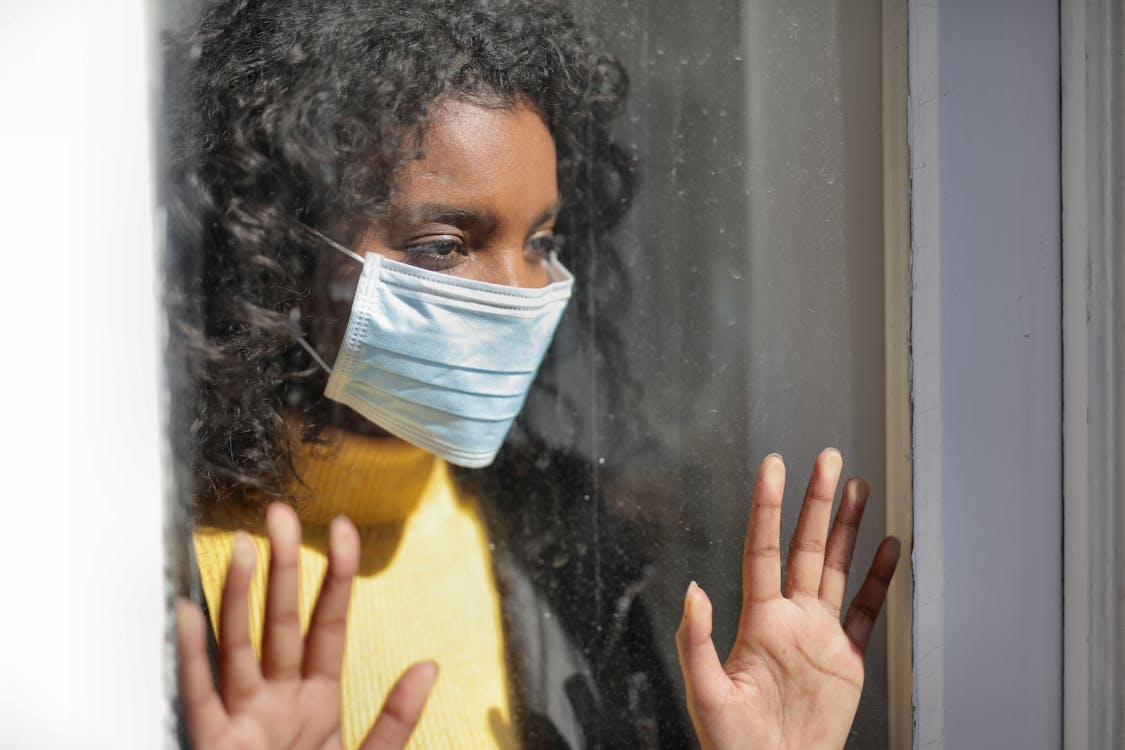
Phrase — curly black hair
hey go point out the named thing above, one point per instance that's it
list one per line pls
(286, 115)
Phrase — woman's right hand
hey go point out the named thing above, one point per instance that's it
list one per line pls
(292, 699)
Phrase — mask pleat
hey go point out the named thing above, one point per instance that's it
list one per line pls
(442, 362)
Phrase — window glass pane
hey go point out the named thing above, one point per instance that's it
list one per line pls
(755, 258)
(377, 190)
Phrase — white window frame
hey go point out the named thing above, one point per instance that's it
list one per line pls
(1093, 159)
(986, 359)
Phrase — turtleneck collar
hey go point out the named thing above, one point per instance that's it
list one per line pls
(371, 480)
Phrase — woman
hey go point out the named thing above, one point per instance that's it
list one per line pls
(366, 279)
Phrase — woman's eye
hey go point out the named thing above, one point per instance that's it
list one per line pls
(435, 255)
(542, 245)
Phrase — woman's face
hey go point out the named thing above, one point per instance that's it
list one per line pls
(480, 203)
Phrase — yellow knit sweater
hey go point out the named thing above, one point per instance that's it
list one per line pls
(425, 588)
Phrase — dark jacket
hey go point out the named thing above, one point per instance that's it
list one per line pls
(580, 645)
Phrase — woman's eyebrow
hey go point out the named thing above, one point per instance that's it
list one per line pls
(438, 213)
(550, 213)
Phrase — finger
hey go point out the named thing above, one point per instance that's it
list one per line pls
(761, 556)
(324, 647)
(402, 709)
(281, 636)
(867, 603)
(705, 679)
(841, 544)
(203, 711)
(806, 551)
(239, 674)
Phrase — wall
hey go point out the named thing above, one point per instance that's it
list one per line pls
(82, 663)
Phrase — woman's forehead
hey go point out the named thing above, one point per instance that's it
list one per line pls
(474, 155)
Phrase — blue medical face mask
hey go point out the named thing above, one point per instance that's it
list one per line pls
(443, 362)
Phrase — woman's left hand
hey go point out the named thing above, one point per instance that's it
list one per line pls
(794, 675)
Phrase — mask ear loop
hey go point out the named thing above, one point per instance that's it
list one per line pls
(354, 256)
(312, 353)
(350, 253)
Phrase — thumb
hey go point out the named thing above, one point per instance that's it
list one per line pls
(706, 681)
(402, 709)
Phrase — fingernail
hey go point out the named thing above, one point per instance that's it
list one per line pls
(687, 600)
(857, 489)
(896, 547)
(339, 535)
(182, 613)
(278, 527)
(243, 553)
(777, 456)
